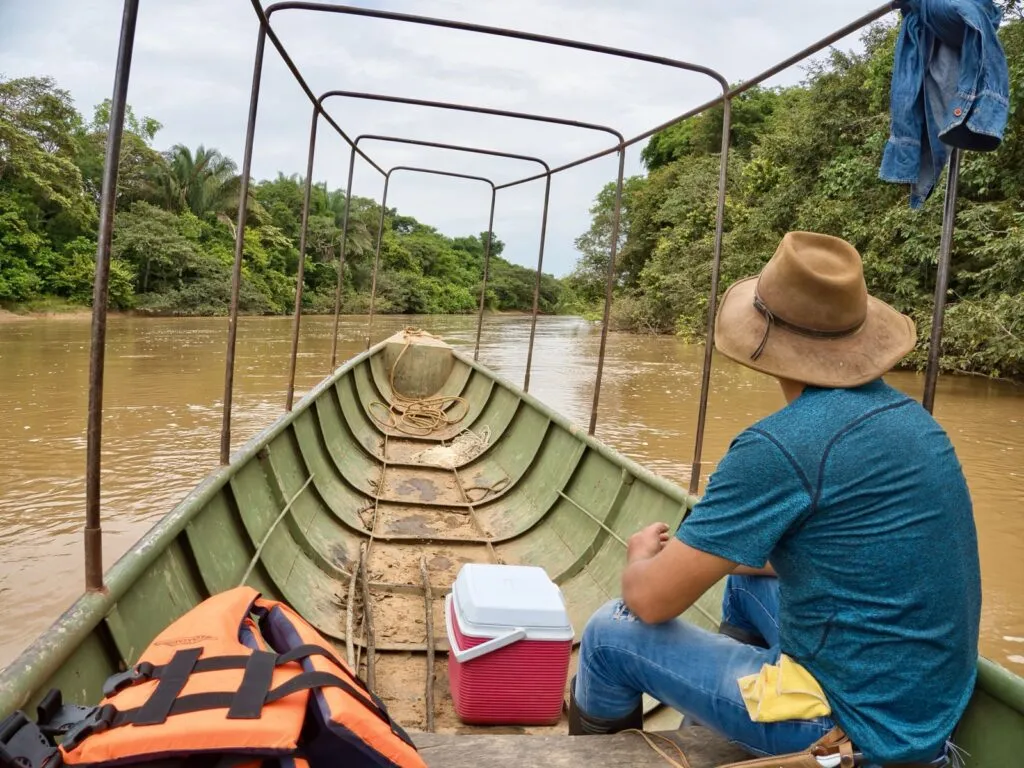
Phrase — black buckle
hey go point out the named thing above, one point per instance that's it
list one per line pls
(55, 718)
(117, 683)
(97, 720)
(23, 744)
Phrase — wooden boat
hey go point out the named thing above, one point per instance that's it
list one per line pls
(359, 506)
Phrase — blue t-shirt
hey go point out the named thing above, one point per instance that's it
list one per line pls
(858, 500)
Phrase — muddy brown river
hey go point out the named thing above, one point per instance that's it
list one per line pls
(163, 410)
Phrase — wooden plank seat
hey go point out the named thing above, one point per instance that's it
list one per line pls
(703, 749)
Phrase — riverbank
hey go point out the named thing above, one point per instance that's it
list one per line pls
(70, 312)
(58, 310)
(65, 311)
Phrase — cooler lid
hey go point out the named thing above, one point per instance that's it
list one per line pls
(509, 596)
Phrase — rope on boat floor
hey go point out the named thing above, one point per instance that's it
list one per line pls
(699, 608)
(368, 621)
(429, 603)
(682, 762)
(416, 416)
(496, 487)
(266, 538)
(595, 518)
(350, 613)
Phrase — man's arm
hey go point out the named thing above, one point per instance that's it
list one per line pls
(751, 500)
(664, 578)
(746, 570)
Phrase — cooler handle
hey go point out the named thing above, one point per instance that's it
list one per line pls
(494, 644)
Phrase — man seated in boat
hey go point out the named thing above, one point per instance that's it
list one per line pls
(844, 526)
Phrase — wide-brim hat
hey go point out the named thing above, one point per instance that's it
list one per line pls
(808, 317)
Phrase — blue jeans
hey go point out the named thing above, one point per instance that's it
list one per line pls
(694, 671)
(690, 669)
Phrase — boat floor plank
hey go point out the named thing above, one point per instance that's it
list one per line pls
(702, 747)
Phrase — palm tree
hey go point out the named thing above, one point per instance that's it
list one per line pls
(205, 183)
(361, 238)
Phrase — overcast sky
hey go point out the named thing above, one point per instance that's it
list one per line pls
(192, 71)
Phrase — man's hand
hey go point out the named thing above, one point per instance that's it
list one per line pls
(664, 576)
(647, 542)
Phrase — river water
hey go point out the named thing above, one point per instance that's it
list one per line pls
(164, 380)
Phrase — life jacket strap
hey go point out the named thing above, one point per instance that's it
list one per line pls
(24, 745)
(144, 671)
(247, 702)
(199, 702)
(172, 682)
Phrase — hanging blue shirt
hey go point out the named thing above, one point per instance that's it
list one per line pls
(857, 499)
(950, 88)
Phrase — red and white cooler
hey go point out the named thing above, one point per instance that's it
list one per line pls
(510, 639)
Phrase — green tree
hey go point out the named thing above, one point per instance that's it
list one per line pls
(807, 158)
(204, 182)
(141, 169)
(174, 239)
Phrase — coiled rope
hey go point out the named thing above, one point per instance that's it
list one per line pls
(416, 416)
(681, 762)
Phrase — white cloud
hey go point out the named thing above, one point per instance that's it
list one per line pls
(192, 70)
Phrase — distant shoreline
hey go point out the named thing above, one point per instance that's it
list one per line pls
(84, 313)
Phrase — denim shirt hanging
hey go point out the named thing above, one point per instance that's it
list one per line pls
(950, 88)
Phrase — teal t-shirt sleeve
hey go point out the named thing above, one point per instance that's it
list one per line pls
(752, 499)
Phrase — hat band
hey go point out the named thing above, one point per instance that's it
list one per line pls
(772, 319)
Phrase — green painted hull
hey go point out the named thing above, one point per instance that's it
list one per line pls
(542, 492)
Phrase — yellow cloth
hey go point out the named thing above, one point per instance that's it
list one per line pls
(783, 692)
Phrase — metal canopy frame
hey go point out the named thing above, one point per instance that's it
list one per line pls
(469, 108)
(289, 400)
(93, 548)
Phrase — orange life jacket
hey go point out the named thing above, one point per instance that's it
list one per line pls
(239, 676)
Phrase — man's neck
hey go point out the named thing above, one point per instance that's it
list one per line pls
(791, 390)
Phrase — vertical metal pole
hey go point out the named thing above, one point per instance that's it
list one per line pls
(376, 256)
(931, 375)
(608, 289)
(97, 347)
(716, 264)
(536, 285)
(487, 265)
(300, 274)
(236, 274)
(341, 258)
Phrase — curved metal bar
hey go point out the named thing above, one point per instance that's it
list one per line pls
(546, 176)
(581, 45)
(380, 233)
(746, 85)
(470, 108)
(376, 255)
(536, 284)
(301, 270)
(931, 374)
(93, 533)
(716, 269)
(578, 45)
(236, 272)
(609, 288)
(490, 229)
(483, 283)
(268, 30)
(455, 147)
(341, 254)
(416, 142)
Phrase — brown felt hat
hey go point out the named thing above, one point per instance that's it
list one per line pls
(808, 317)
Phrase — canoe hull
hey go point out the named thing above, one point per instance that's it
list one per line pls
(297, 504)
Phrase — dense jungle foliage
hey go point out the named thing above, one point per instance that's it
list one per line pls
(174, 230)
(807, 157)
